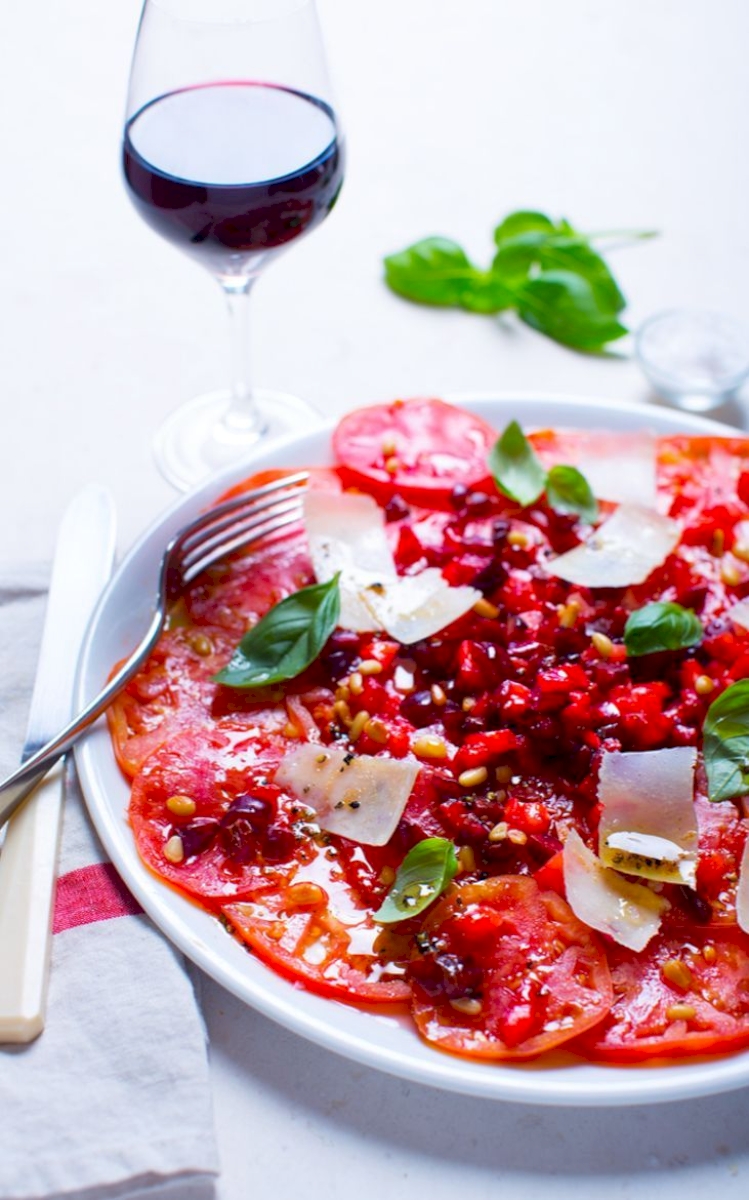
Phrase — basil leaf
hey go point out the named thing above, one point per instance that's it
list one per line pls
(576, 255)
(568, 491)
(661, 626)
(726, 743)
(516, 468)
(515, 258)
(438, 271)
(423, 875)
(286, 640)
(564, 306)
(524, 221)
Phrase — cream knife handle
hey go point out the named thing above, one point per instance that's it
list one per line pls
(28, 867)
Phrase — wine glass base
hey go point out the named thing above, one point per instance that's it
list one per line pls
(196, 441)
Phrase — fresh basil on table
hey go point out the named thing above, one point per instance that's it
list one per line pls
(423, 875)
(286, 640)
(661, 626)
(519, 474)
(549, 273)
(726, 743)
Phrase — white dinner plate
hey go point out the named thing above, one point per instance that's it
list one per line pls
(373, 1038)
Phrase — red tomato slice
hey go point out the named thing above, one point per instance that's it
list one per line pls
(321, 479)
(213, 767)
(417, 448)
(535, 975)
(700, 1006)
(172, 690)
(315, 931)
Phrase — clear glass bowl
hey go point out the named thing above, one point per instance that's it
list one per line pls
(695, 360)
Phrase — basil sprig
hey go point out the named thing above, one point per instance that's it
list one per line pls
(569, 492)
(661, 626)
(726, 743)
(519, 473)
(286, 640)
(545, 270)
(423, 875)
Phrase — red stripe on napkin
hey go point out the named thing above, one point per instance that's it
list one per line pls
(94, 893)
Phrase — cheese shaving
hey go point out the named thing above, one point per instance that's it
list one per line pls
(648, 823)
(346, 534)
(623, 550)
(630, 913)
(357, 796)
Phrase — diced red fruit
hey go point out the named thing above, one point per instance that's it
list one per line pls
(531, 816)
(550, 876)
(381, 650)
(482, 749)
(514, 698)
(477, 666)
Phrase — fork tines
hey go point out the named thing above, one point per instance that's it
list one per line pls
(238, 522)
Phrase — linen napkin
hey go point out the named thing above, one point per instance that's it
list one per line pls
(113, 1099)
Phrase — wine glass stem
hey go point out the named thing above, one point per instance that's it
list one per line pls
(242, 420)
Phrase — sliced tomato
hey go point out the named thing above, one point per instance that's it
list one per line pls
(680, 996)
(317, 932)
(236, 593)
(419, 449)
(323, 479)
(173, 690)
(507, 971)
(214, 767)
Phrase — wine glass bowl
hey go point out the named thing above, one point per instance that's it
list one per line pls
(231, 151)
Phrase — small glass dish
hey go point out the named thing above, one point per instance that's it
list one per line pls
(694, 359)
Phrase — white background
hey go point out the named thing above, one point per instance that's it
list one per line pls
(456, 112)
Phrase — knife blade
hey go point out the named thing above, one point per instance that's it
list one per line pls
(84, 555)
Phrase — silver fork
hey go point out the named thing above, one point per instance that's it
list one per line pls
(230, 526)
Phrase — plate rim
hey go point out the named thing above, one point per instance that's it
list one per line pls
(313, 1017)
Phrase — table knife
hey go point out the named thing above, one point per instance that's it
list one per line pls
(84, 555)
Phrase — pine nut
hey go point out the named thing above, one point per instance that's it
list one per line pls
(467, 859)
(468, 703)
(473, 777)
(376, 730)
(357, 725)
(356, 683)
(388, 447)
(469, 1006)
(484, 608)
(568, 613)
(181, 806)
(370, 666)
(709, 953)
(704, 685)
(676, 971)
(174, 851)
(681, 1012)
(602, 644)
(201, 644)
(438, 694)
(429, 746)
(499, 832)
(342, 711)
(517, 539)
(518, 836)
(392, 465)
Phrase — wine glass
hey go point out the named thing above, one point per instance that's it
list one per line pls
(232, 150)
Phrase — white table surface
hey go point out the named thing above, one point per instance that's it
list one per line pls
(613, 115)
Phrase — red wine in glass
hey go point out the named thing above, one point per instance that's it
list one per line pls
(233, 170)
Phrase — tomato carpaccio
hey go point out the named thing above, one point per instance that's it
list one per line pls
(508, 712)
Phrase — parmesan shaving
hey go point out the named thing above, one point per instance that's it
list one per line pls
(648, 823)
(630, 913)
(624, 550)
(361, 797)
(346, 534)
